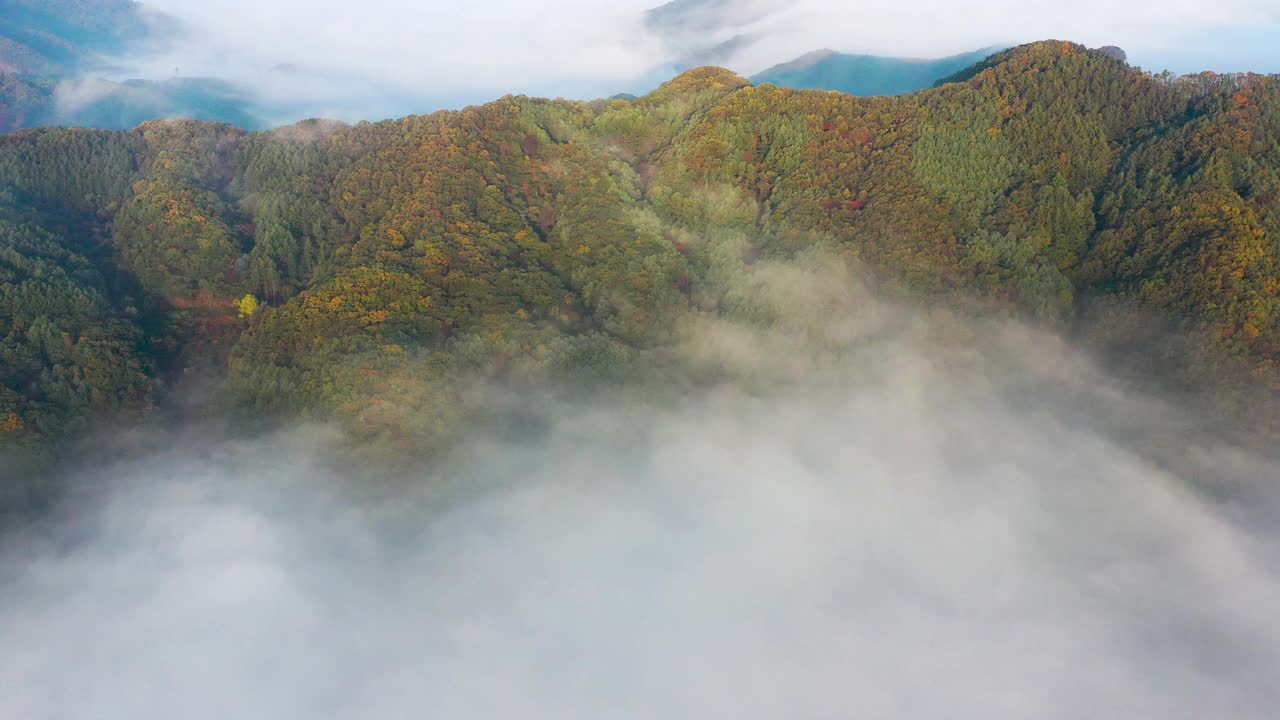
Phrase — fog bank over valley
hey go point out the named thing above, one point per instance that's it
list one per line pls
(884, 514)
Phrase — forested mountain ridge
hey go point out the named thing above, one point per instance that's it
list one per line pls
(360, 273)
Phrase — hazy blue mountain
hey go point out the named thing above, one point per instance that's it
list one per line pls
(866, 74)
(57, 37)
(53, 54)
(707, 32)
(90, 102)
(713, 32)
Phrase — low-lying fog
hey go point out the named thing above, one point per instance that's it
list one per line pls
(988, 528)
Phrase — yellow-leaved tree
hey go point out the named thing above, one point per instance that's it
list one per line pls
(247, 305)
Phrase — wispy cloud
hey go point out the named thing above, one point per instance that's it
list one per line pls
(347, 57)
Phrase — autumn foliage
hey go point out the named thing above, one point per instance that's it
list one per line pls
(1047, 182)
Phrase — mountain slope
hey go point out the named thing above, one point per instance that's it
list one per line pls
(57, 37)
(361, 273)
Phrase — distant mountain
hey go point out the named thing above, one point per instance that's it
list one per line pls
(866, 74)
(716, 32)
(53, 54)
(24, 101)
(89, 101)
(57, 37)
(92, 102)
(707, 32)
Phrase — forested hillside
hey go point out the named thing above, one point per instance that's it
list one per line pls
(362, 273)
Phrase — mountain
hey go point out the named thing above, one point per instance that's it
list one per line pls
(24, 101)
(707, 32)
(53, 53)
(866, 74)
(58, 37)
(367, 274)
(715, 32)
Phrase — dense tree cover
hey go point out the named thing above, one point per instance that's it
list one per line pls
(364, 272)
(68, 356)
(1191, 218)
(70, 170)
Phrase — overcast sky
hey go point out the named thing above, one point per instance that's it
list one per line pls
(315, 51)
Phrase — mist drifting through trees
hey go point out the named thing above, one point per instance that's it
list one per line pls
(896, 514)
